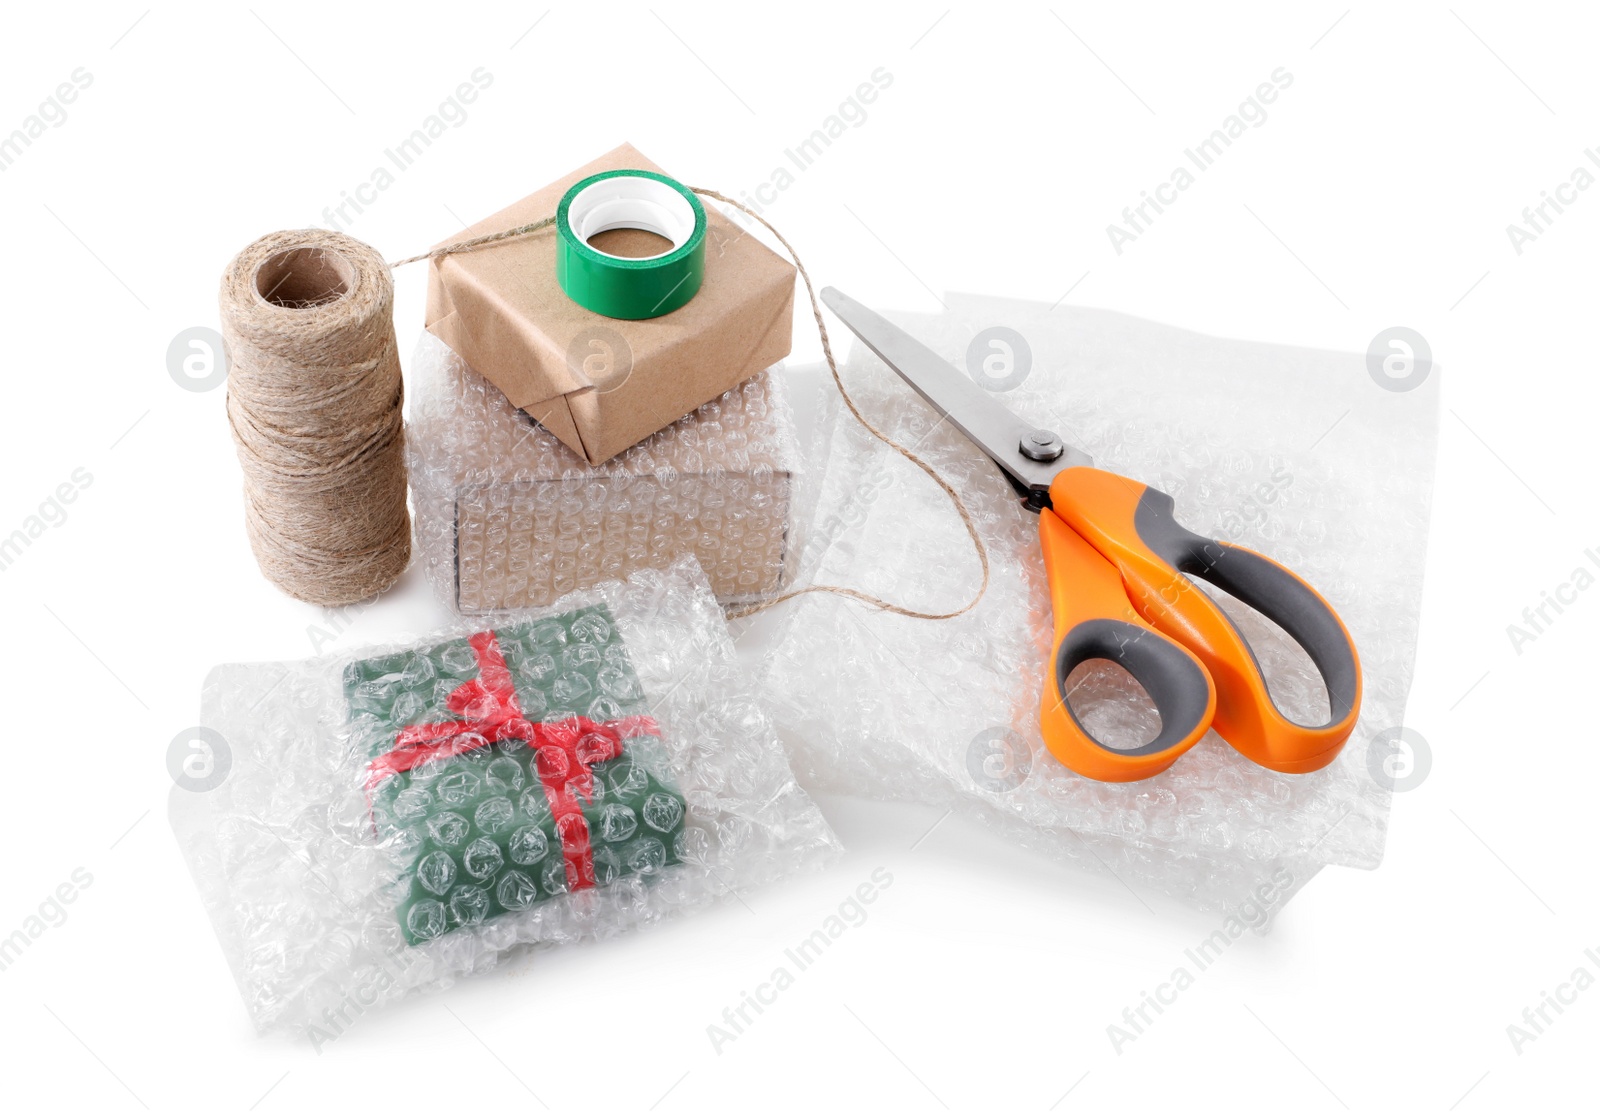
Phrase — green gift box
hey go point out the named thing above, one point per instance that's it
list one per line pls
(511, 767)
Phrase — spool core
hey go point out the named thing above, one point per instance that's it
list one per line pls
(631, 202)
(304, 277)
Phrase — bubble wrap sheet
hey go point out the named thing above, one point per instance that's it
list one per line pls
(1296, 453)
(303, 884)
(507, 516)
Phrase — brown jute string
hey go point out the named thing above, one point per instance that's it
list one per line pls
(314, 399)
(833, 368)
(478, 242)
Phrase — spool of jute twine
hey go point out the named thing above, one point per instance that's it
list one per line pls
(314, 399)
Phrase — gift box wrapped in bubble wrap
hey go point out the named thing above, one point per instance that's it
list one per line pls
(507, 516)
(1303, 455)
(511, 763)
(389, 820)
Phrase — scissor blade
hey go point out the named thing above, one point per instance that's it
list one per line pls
(995, 429)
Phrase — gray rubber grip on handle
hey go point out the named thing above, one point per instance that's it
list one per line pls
(1273, 591)
(1170, 674)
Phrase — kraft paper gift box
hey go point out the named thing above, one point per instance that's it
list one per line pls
(600, 384)
(507, 516)
(511, 767)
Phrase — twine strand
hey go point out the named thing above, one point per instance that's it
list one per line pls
(911, 456)
(477, 242)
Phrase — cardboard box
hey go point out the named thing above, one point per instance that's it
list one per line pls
(507, 516)
(601, 385)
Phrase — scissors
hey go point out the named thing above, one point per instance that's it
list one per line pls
(1119, 565)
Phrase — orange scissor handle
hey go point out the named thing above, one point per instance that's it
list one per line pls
(1095, 620)
(1132, 529)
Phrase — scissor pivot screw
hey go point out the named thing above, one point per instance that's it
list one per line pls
(1042, 446)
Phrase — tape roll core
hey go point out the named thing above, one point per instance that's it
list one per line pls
(630, 287)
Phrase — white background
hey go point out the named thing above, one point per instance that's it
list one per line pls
(1377, 193)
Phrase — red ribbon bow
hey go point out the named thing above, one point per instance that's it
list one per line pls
(563, 751)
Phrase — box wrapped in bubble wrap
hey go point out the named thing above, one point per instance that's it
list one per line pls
(507, 516)
(389, 820)
(1297, 453)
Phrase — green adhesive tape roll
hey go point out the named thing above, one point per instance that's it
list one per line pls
(631, 287)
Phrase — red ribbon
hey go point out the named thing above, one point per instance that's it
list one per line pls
(563, 752)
